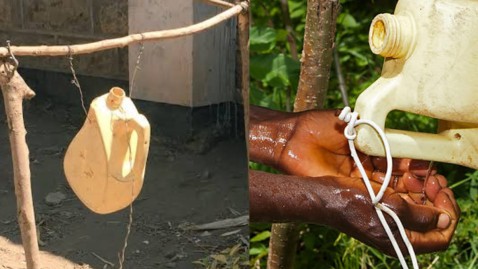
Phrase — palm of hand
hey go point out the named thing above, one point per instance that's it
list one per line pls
(327, 152)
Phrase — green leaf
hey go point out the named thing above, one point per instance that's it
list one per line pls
(347, 20)
(258, 250)
(260, 65)
(261, 236)
(360, 59)
(297, 9)
(281, 35)
(262, 39)
(276, 70)
(284, 71)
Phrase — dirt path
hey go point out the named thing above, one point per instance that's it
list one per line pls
(181, 188)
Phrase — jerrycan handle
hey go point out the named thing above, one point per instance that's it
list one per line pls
(140, 125)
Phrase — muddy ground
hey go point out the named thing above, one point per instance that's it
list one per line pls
(197, 181)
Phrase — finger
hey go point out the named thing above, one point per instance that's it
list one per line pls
(399, 165)
(431, 241)
(394, 183)
(445, 200)
(412, 183)
(439, 239)
(421, 168)
(366, 162)
(417, 198)
(432, 187)
(414, 216)
(442, 180)
(379, 177)
(418, 167)
(406, 183)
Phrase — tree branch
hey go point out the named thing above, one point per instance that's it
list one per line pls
(340, 77)
(65, 50)
(14, 90)
(219, 3)
(292, 45)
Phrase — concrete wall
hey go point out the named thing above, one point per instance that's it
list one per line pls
(191, 71)
(48, 22)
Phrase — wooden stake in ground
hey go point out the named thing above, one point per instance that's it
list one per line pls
(242, 80)
(315, 67)
(14, 90)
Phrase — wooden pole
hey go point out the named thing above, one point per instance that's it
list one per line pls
(68, 50)
(219, 3)
(243, 22)
(14, 90)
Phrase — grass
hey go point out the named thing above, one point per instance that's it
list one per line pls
(235, 257)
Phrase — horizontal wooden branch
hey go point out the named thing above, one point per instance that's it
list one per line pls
(65, 50)
(219, 3)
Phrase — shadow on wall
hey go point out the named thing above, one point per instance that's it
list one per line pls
(173, 121)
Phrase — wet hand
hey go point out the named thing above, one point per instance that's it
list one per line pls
(309, 143)
(427, 209)
(312, 144)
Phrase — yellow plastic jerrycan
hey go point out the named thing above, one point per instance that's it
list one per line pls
(106, 160)
(431, 63)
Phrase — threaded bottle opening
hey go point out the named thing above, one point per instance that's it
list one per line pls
(115, 98)
(391, 35)
(377, 35)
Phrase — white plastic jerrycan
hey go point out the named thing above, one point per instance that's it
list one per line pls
(106, 160)
(431, 68)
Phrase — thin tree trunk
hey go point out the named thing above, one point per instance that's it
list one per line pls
(14, 90)
(317, 56)
(283, 245)
(292, 45)
(340, 78)
(290, 30)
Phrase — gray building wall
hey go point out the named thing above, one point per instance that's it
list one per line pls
(60, 22)
(190, 71)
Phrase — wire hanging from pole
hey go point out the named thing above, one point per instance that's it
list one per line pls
(76, 82)
(121, 254)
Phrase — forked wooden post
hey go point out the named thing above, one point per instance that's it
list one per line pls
(14, 90)
(243, 62)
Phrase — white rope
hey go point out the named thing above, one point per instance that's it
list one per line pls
(352, 119)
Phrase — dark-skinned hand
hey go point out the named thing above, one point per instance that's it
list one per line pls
(312, 144)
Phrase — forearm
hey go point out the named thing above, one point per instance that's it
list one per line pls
(340, 203)
(269, 131)
(282, 198)
(327, 200)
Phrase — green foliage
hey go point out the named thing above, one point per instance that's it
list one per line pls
(274, 73)
(274, 79)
